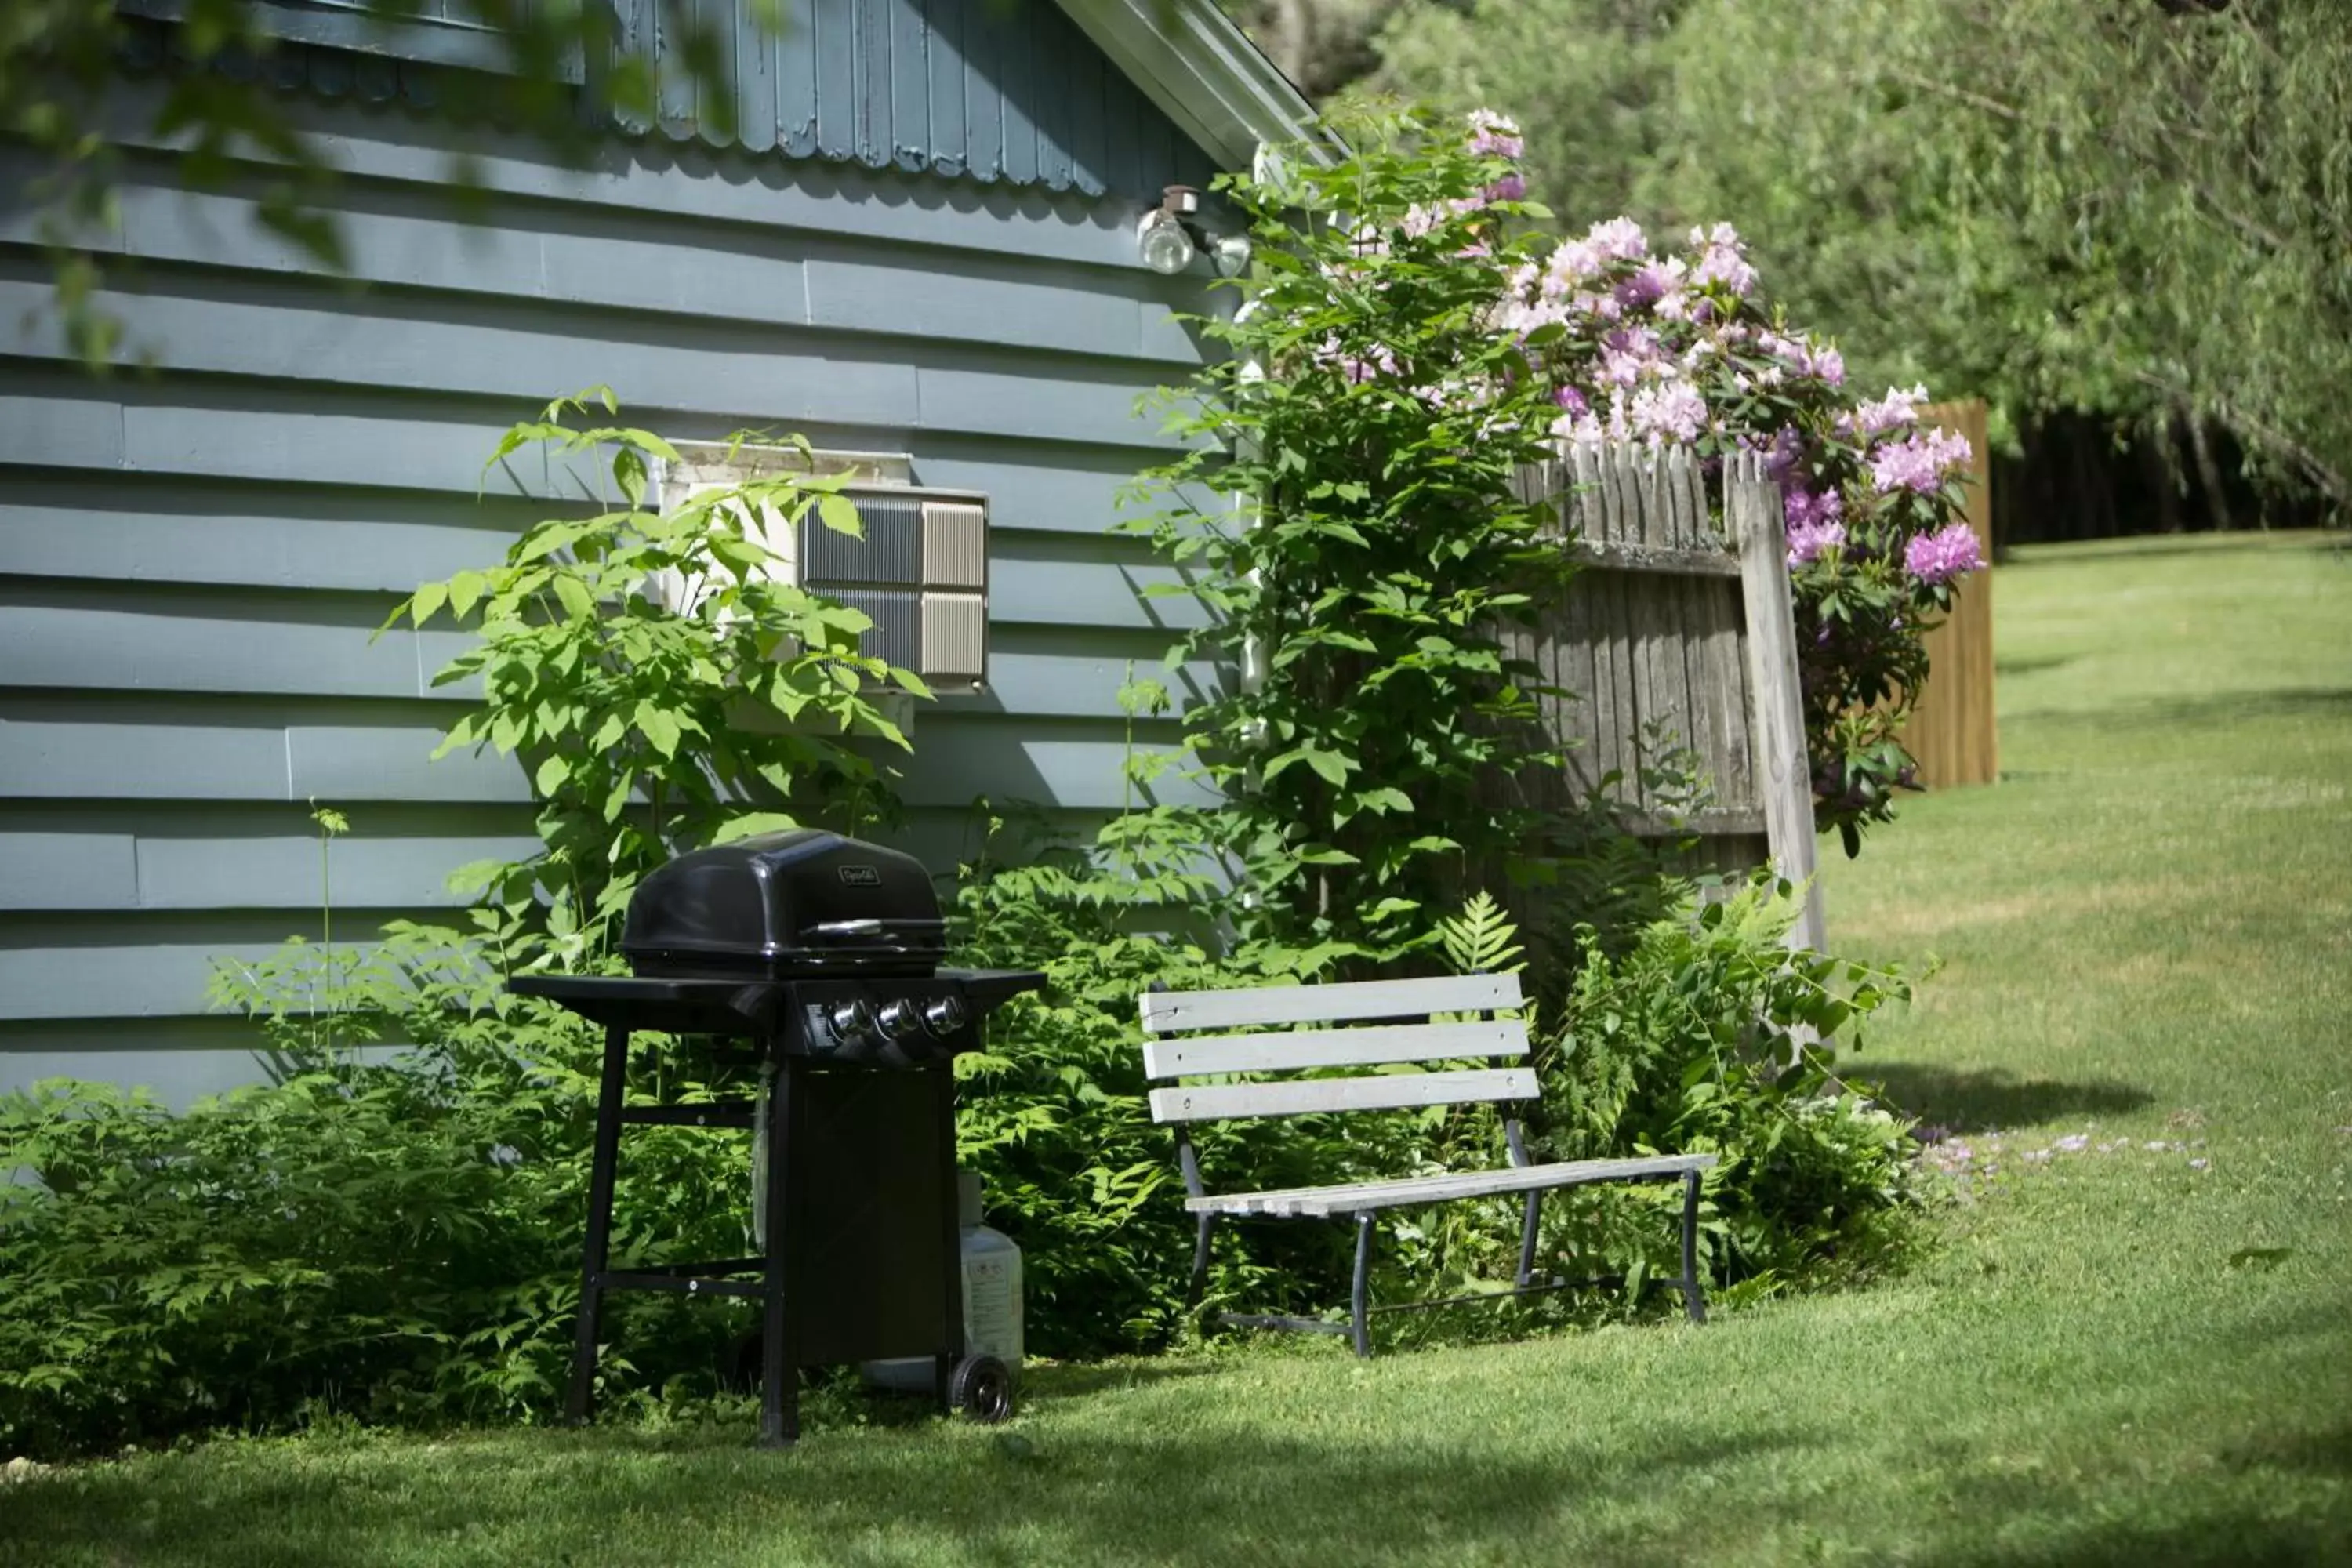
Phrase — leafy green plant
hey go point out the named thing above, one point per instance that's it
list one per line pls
(658, 679)
(389, 1232)
(1707, 1035)
(1375, 422)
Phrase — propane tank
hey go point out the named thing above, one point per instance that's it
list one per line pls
(992, 1298)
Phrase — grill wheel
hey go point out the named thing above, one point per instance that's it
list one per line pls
(982, 1389)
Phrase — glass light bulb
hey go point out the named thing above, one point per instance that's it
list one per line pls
(1167, 249)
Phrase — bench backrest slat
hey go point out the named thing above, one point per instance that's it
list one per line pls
(1168, 1012)
(1199, 1055)
(1300, 1097)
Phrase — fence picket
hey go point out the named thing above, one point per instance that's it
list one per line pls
(1661, 626)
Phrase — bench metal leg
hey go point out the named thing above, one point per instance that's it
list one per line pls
(1694, 1298)
(1360, 1294)
(1527, 1240)
(1200, 1281)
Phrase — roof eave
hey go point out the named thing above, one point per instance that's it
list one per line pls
(1205, 74)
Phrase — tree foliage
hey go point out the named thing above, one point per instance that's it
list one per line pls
(2139, 210)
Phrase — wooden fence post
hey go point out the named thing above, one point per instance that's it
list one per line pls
(1953, 734)
(1751, 510)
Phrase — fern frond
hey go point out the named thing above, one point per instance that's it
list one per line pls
(1482, 939)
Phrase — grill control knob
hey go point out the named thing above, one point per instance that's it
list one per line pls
(849, 1023)
(899, 1019)
(945, 1014)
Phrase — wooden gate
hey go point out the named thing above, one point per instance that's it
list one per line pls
(1677, 644)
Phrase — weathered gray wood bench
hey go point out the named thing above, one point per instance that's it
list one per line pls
(1373, 1039)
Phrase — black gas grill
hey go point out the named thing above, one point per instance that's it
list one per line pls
(823, 952)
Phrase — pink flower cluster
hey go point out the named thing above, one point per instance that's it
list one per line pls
(1723, 260)
(1813, 523)
(1950, 552)
(1493, 135)
(1920, 463)
(1892, 412)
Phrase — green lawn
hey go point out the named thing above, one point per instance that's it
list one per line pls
(2113, 1355)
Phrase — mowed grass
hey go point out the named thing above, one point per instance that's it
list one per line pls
(2146, 935)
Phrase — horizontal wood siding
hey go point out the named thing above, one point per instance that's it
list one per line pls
(192, 561)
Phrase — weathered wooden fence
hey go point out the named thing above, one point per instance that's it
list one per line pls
(1677, 646)
(1952, 731)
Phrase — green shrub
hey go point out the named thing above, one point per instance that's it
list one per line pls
(1706, 1035)
(392, 1235)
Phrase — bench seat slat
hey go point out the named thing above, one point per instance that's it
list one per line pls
(1355, 1198)
(1385, 1091)
(1364, 1046)
(1171, 1012)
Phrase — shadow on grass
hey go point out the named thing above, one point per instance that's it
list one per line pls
(1081, 1379)
(1197, 1496)
(2221, 708)
(2018, 663)
(1993, 1097)
(2323, 1453)
(2241, 1539)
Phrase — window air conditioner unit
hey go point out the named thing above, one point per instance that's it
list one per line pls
(919, 574)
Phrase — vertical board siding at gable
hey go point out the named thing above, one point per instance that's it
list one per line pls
(883, 84)
(142, 519)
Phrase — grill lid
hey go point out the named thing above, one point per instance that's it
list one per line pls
(796, 902)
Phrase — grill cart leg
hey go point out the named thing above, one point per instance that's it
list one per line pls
(780, 1363)
(1360, 1293)
(1694, 1298)
(951, 1345)
(600, 1223)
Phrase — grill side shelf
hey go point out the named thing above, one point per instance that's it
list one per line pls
(697, 1006)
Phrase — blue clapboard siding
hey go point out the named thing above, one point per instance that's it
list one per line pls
(192, 561)
(996, 91)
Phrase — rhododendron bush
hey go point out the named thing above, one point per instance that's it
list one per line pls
(1413, 327)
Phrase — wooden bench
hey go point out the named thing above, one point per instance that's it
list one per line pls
(1475, 1032)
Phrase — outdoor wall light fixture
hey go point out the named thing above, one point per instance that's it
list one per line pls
(1170, 236)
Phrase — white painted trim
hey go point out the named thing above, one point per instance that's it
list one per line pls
(1205, 75)
(1302, 1096)
(1168, 1012)
(1196, 1055)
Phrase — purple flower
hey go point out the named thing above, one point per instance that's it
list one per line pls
(1805, 508)
(1808, 540)
(1723, 260)
(1509, 188)
(1896, 409)
(1569, 398)
(1493, 135)
(1583, 430)
(1668, 411)
(1571, 262)
(1920, 463)
(1950, 552)
(1618, 239)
